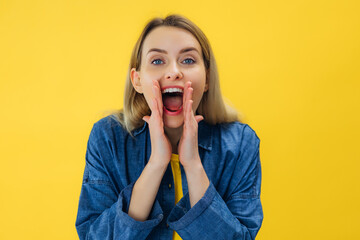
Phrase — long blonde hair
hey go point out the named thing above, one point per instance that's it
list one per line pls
(211, 106)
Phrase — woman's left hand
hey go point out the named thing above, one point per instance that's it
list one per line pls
(188, 145)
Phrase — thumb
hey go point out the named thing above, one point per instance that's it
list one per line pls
(146, 119)
(199, 118)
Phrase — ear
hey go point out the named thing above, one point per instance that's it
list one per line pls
(206, 86)
(207, 82)
(135, 80)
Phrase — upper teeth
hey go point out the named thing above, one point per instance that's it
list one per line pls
(171, 90)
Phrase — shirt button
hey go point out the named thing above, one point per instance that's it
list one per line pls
(167, 225)
(169, 185)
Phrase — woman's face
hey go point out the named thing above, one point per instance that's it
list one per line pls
(171, 56)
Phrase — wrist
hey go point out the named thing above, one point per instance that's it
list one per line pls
(195, 166)
(157, 163)
(198, 182)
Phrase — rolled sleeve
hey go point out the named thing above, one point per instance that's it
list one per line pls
(211, 217)
(95, 221)
(183, 215)
(155, 216)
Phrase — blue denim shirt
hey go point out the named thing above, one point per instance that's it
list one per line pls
(229, 209)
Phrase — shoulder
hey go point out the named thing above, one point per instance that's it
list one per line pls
(238, 132)
(110, 129)
(107, 123)
(107, 128)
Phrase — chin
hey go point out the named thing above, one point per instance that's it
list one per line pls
(173, 121)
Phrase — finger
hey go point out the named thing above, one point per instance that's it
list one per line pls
(184, 98)
(188, 112)
(155, 112)
(190, 107)
(158, 96)
(152, 99)
(188, 103)
(185, 101)
(154, 91)
(146, 119)
(189, 98)
(160, 102)
(199, 118)
(190, 93)
(185, 95)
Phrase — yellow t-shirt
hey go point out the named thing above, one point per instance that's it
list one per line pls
(175, 167)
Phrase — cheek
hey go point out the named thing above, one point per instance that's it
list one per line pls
(147, 91)
(198, 92)
(197, 76)
(197, 96)
(147, 86)
(198, 82)
(147, 80)
(152, 72)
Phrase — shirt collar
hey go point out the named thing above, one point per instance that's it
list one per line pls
(139, 130)
(204, 138)
(205, 135)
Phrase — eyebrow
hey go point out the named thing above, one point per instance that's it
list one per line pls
(164, 51)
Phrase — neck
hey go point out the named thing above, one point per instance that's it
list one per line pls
(174, 135)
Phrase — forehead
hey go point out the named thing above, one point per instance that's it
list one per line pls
(171, 39)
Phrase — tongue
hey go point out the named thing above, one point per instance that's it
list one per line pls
(172, 103)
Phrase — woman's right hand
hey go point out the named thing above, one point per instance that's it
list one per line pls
(160, 145)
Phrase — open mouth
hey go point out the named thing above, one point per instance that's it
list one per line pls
(172, 98)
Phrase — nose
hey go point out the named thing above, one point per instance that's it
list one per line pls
(173, 72)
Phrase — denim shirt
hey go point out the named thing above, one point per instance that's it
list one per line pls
(229, 209)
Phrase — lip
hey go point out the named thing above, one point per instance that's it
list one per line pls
(172, 113)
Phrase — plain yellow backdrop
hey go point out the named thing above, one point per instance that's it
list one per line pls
(290, 67)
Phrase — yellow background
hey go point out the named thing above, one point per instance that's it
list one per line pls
(291, 68)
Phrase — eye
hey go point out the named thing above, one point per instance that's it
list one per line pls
(189, 61)
(157, 61)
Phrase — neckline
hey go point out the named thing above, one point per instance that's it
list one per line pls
(174, 157)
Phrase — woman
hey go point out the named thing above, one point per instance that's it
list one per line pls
(156, 170)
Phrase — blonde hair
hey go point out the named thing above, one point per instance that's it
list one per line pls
(211, 106)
